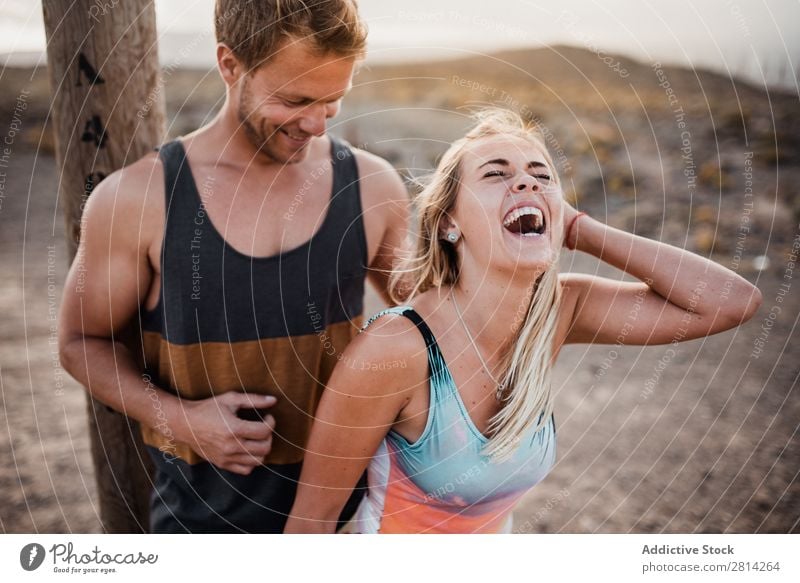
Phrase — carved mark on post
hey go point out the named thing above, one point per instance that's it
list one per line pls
(94, 131)
(85, 67)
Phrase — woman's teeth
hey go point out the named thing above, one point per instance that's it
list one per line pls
(526, 221)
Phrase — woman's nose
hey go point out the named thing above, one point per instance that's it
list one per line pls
(526, 182)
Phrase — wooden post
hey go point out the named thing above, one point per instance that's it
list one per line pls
(108, 112)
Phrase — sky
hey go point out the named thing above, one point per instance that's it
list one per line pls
(755, 39)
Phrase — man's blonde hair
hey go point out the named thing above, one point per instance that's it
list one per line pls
(255, 29)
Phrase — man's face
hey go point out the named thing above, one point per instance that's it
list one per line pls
(285, 102)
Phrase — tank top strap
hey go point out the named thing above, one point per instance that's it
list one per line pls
(346, 233)
(182, 199)
(439, 373)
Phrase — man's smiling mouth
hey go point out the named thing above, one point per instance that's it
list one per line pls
(296, 138)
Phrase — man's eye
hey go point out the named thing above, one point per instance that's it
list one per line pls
(293, 103)
(494, 173)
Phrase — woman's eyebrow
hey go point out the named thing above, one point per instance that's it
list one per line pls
(504, 162)
(500, 161)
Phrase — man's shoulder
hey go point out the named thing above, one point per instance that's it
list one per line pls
(378, 178)
(369, 163)
(131, 196)
(134, 183)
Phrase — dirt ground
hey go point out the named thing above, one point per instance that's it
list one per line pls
(712, 447)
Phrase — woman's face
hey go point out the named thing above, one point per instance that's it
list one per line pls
(509, 207)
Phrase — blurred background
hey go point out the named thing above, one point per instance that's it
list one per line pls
(676, 121)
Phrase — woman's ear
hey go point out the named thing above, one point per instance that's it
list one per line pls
(448, 231)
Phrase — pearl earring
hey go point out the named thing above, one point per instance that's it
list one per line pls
(452, 237)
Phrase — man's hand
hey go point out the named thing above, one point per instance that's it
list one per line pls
(213, 429)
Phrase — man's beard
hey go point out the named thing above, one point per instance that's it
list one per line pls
(254, 129)
(256, 137)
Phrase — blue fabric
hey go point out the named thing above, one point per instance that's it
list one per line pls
(446, 462)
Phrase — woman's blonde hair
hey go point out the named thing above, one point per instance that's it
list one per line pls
(434, 263)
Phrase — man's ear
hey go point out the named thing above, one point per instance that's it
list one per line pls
(230, 67)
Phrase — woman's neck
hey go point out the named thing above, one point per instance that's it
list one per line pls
(493, 309)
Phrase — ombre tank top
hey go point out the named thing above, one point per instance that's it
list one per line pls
(442, 483)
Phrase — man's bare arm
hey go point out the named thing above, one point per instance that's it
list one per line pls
(106, 284)
(388, 196)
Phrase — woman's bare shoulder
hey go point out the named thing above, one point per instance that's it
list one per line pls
(389, 355)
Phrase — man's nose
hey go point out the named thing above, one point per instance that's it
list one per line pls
(313, 120)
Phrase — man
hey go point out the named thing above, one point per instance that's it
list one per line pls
(240, 252)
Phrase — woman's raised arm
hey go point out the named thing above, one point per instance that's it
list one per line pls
(683, 295)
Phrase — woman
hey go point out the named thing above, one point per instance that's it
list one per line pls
(447, 399)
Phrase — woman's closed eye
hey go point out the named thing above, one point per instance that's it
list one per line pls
(539, 177)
